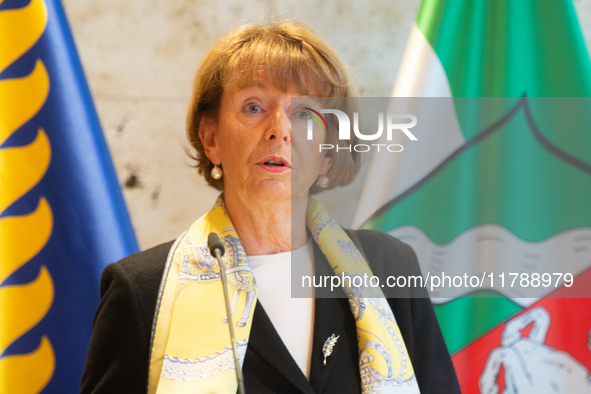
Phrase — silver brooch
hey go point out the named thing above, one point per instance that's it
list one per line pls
(328, 346)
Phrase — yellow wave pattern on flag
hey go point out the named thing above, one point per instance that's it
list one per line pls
(22, 237)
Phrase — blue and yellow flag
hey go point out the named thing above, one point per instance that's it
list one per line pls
(62, 215)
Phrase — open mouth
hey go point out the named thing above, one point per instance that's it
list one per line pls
(274, 163)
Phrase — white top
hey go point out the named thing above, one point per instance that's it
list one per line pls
(293, 318)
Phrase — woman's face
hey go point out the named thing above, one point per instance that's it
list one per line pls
(253, 140)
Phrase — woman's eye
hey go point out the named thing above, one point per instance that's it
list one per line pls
(252, 108)
(304, 114)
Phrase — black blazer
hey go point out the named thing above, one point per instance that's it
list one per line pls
(118, 361)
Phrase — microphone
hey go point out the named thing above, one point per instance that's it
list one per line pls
(214, 242)
(217, 249)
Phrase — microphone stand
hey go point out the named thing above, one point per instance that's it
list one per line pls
(218, 255)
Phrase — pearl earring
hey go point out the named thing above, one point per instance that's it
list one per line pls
(216, 172)
(322, 182)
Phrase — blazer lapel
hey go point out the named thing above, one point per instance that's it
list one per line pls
(266, 342)
(329, 319)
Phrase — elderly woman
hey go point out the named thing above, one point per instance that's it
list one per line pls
(161, 326)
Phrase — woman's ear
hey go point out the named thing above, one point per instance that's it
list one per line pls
(326, 165)
(208, 136)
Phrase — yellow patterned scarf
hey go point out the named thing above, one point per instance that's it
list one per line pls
(191, 351)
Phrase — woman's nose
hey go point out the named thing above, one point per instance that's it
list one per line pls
(280, 126)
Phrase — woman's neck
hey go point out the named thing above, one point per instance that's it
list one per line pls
(268, 227)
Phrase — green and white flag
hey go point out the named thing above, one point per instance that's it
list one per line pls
(504, 187)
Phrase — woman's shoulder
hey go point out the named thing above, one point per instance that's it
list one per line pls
(378, 246)
(132, 284)
(138, 276)
(387, 257)
(122, 325)
(152, 256)
(380, 239)
(142, 267)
